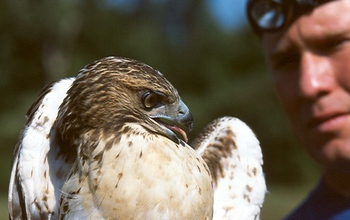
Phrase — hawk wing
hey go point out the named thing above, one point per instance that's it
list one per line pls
(233, 154)
(37, 167)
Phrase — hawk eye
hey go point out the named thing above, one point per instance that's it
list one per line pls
(150, 99)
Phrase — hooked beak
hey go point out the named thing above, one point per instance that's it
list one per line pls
(178, 123)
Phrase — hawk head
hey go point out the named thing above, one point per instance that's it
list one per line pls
(111, 92)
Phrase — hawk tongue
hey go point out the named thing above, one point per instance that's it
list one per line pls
(178, 130)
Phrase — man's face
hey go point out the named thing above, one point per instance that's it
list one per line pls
(310, 66)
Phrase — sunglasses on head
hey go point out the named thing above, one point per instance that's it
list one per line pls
(273, 15)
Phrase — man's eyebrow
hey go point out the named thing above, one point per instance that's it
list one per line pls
(281, 50)
(328, 38)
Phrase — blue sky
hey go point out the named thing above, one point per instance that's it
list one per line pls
(229, 13)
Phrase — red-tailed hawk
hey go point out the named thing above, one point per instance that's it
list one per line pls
(111, 144)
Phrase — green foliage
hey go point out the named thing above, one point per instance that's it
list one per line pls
(217, 73)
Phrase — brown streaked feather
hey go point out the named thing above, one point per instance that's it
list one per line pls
(233, 154)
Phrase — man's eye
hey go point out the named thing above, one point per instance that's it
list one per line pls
(286, 62)
(334, 44)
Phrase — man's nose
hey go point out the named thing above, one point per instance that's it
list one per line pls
(316, 76)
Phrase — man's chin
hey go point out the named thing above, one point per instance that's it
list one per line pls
(339, 163)
(331, 150)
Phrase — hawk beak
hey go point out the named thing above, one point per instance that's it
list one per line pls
(177, 123)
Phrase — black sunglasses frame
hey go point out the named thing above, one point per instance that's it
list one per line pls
(289, 9)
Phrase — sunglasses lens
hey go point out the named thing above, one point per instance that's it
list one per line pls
(267, 15)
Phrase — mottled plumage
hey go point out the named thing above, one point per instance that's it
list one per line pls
(110, 144)
(233, 154)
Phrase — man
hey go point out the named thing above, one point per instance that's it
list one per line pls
(307, 47)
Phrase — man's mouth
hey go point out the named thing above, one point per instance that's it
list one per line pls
(328, 123)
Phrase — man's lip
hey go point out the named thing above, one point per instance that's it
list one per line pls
(327, 122)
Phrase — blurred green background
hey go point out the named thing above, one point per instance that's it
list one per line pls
(217, 70)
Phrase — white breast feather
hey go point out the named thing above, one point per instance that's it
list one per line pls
(137, 173)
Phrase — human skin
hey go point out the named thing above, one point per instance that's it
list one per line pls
(310, 66)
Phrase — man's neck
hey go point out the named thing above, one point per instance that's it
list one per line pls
(339, 182)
